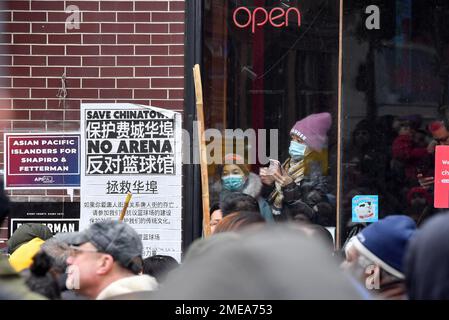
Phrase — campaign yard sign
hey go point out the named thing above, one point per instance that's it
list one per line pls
(57, 216)
(128, 148)
(42, 161)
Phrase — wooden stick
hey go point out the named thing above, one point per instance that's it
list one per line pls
(125, 207)
(202, 145)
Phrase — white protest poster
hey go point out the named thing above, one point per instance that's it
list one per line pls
(137, 149)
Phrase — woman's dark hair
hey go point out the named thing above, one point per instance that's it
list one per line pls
(301, 211)
(41, 279)
(238, 220)
(325, 215)
(159, 266)
(237, 201)
(214, 207)
(302, 218)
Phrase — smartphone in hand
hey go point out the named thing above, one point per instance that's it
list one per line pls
(275, 166)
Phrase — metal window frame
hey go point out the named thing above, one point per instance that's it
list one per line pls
(192, 207)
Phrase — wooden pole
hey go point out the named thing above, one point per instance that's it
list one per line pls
(202, 145)
(125, 207)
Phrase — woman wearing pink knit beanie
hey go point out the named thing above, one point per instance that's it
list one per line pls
(299, 185)
(312, 131)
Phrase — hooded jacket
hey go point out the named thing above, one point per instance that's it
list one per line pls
(22, 258)
(26, 233)
(427, 261)
(128, 285)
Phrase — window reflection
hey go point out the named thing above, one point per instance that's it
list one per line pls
(395, 91)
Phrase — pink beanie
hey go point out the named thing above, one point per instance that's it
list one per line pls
(313, 130)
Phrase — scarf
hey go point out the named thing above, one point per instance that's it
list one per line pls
(296, 170)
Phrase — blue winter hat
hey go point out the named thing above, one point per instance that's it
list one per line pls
(385, 242)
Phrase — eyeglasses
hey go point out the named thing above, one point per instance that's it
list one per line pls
(75, 250)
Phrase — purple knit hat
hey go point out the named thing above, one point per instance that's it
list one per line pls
(313, 130)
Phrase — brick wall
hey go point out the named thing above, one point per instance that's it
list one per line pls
(123, 51)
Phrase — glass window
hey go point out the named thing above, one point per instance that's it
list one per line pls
(268, 65)
(395, 92)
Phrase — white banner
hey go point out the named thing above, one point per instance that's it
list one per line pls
(137, 149)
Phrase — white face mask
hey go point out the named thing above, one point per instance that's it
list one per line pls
(297, 150)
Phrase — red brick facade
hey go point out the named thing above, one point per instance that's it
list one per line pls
(123, 51)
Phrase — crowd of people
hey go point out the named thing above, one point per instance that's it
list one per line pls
(394, 157)
(270, 236)
(245, 258)
(297, 189)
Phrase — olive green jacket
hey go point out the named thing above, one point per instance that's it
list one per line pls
(12, 284)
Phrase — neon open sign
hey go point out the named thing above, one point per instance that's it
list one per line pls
(276, 17)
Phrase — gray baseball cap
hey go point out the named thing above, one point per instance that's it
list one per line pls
(116, 238)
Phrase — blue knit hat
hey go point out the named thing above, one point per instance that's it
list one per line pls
(385, 242)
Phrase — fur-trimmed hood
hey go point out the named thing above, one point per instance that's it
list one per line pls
(253, 185)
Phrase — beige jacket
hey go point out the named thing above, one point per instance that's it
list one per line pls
(128, 285)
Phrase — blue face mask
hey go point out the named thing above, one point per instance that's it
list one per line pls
(297, 150)
(233, 182)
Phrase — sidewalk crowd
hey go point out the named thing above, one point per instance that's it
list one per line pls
(270, 238)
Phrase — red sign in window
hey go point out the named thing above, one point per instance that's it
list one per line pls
(442, 177)
(276, 17)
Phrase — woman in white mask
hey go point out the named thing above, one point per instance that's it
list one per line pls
(301, 178)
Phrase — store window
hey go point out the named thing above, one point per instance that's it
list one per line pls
(395, 98)
(394, 108)
(268, 65)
